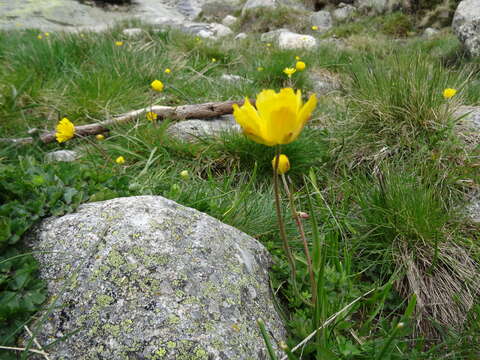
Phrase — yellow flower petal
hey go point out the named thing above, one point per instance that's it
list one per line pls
(65, 130)
(120, 160)
(300, 66)
(449, 92)
(157, 85)
(283, 164)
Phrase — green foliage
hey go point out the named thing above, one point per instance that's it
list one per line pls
(265, 19)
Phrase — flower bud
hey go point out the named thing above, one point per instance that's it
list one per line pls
(283, 164)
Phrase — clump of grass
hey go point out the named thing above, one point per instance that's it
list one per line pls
(264, 20)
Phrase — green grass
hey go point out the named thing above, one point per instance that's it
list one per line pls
(379, 170)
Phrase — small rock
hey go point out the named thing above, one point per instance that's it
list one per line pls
(372, 7)
(220, 30)
(289, 40)
(272, 36)
(343, 13)
(229, 20)
(322, 19)
(233, 78)
(62, 155)
(430, 32)
(241, 36)
(466, 24)
(255, 4)
(132, 32)
(192, 130)
(205, 30)
(324, 82)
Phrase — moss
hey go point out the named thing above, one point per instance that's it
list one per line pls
(104, 300)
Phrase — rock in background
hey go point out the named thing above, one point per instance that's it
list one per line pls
(466, 25)
(146, 278)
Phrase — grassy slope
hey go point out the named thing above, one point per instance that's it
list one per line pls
(390, 172)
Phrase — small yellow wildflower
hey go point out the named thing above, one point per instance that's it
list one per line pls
(184, 174)
(214, 60)
(65, 130)
(300, 66)
(448, 93)
(100, 137)
(283, 164)
(81, 35)
(120, 160)
(47, 34)
(269, 45)
(151, 116)
(278, 118)
(260, 68)
(289, 71)
(157, 85)
(297, 58)
(168, 71)
(39, 37)
(314, 28)
(119, 43)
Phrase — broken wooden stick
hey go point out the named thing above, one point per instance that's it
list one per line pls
(192, 111)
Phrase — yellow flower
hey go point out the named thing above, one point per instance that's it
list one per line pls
(279, 119)
(47, 34)
(65, 130)
(289, 71)
(151, 116)
(448, 93)
(100, 137)
(297, 58)
(214, 60)
(184, 174)
(157, 85)
(39, 37)
(300, 66)
(268, 44)
(118, 43)
(283, 164)
(260, 68)
(120, 160)
(314, 28)
(168, 71)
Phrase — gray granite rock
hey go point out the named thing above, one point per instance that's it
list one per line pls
(430, 32)
(344, 12)
(240, 36)
(146, 278)
(210, 31)
(62, 155)
(233, 78)
(132, 32)
(289, 41)
(272, 36)
(322, 19)
(466, 25)
(255, 4)
(229, 20)
(195, 129)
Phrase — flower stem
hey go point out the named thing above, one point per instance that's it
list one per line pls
(281, 225)
(313, 283)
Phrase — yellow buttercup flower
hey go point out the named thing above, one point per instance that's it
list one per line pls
(100, 137)
(278, 119)
(300, 66)
(214, 60)
(120, 160)
(118, 43)
(314, 28)
(289, 71)
(39, 37)
(297, 58)
(47, 34)
(157, 85)
(168, 71)
(260, 68)
(448, 93)
(283, 164)
(151, 116)
(65, 130)
(184, 174)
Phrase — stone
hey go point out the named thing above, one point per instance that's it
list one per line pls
(430, 32)
(62, 155)
(372, 7)
(241, 36)
(466, 25)
(289, 40)
(204, 30)
(322, 19)
(272, 36)
(218, 10)
(468, 127)
(344, 12)
(229, 20)
(132, 32)
(195, 129)
(146, 278)
(256, 4)
(324, 82)
(233, 78)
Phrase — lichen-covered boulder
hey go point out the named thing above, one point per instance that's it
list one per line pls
(466, 25)
(146, 278)
(197, 129)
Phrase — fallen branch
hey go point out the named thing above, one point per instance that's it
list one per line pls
(192, 111)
